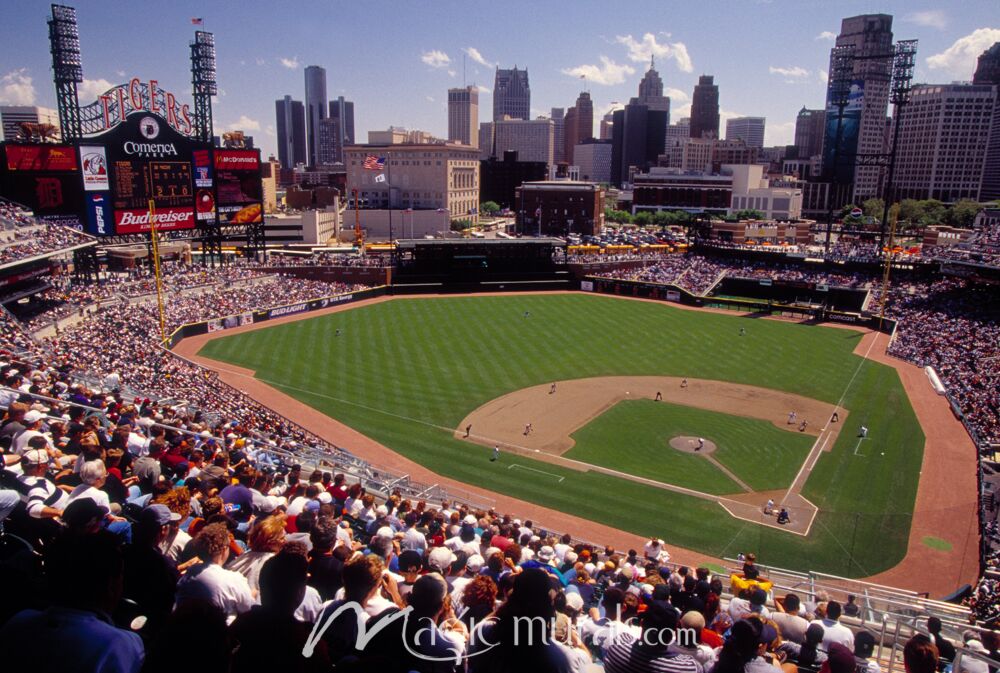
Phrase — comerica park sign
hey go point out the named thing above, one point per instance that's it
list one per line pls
(116, 104)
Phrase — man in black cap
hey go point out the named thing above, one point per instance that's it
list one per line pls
(650, 651)
(84, 516)
(150, 577)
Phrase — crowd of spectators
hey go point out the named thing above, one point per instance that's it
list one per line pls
(954, 327)
(329, 259)
(698, 274)
(136, 362)
(23, 237)
(983, 247)
(151, 535)
(205, 525)
(66, 296)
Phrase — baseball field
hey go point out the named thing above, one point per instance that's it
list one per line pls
(414, 375)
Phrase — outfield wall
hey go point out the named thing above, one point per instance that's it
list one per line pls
(263, 315)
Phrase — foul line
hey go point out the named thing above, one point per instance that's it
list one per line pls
(817, 449)
(859, 455)
(525, 467)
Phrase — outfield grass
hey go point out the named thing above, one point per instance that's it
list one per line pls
(406, 372)
(759, 454)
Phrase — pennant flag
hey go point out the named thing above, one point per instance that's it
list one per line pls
(197, 21)
(380, 177)
(374, 163)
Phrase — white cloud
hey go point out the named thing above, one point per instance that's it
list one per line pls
(16, 88)
(290, 63)
(676, 95)
(931, 18)
(244, 123)
(793, 72)
(610, 107)
(826, 35)
(435, 58)
(608, 73)
(452, 73)
(120, 73)
(960, 58)
(260, 61)
(823, 76)
(90, 89)
(642, 50)
(779, 134)
(269, 130)
(724, 116)
(430, 98)
(485, 90)
(474, 54)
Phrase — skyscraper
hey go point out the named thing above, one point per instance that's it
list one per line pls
(638, 139)
(511, 94)
(869, 37)
(290, 122)
(748, 129)
(335, 131)
(943, 137)
(463, 115)
(579, 124)
(988, 66)
(705, 108)
(607, 124)
(343, 111)
(315, 109)
(651, 91)
(570, 132)
(988, 72)
(809, 126)
(558, 115)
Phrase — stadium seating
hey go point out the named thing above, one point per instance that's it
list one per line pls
(153, 413)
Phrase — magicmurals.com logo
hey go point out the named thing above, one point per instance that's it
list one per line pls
(527, 632)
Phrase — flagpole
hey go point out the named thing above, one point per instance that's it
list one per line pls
(388, 183)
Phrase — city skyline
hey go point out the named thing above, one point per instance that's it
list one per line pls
(256, 68)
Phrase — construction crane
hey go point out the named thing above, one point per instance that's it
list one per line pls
(359, 236)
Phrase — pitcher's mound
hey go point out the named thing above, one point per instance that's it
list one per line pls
(690, 445)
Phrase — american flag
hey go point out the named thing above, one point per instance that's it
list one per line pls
(374, 163)
(197, 21)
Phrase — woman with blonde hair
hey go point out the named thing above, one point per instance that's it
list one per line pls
(266, 538)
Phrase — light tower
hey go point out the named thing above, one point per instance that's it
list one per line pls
(64, 40)
(203, 82)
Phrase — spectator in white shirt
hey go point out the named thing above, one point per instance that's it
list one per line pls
(833, 630)
(209, 581)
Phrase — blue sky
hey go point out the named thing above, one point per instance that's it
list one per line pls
(396, 60)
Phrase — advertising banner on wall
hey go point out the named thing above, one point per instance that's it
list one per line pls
(94, 166)
(239, 192)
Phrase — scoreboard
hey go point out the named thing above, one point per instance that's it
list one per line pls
(168, 183)
(104, 183)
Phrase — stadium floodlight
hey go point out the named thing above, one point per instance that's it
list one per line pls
(841, 78)
(64, 41)
(203, 81)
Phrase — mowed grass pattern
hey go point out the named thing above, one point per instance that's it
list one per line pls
(405, 372)
(634, 437)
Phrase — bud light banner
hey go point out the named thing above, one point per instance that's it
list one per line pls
(99, 219)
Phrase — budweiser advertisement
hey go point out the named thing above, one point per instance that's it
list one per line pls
(167, 219)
